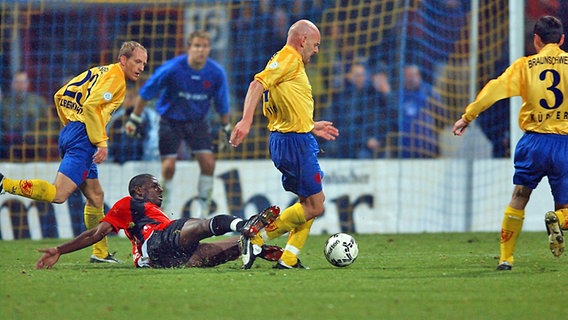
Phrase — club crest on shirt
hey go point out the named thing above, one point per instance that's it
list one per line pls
(273, 65)
(107, 96)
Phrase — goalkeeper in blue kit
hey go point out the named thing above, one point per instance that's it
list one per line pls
(185, 87)
(542, 82)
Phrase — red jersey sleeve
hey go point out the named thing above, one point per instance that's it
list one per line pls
(119, 216)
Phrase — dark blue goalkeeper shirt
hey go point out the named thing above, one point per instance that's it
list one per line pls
(186, 94)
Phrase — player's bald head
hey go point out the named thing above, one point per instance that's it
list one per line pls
(301, 29)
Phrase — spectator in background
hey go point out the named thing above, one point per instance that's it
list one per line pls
(354, 112)
(278, 23)
(127, 148)
(417, 130)
(382, 120)
(20, 109)
(330, 59)
(307, 9)
(246, 46)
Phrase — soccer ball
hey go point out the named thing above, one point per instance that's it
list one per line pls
(341, 249)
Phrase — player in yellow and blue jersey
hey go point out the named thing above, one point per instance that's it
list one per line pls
(85, 105)
(288, 104)
(542, 82)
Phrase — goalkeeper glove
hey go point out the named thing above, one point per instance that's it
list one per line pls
(133, 126)
(224, 136)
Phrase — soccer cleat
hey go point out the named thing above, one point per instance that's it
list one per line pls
(271, 253)
(259, 221)
(109, 259)
(282, 265)
(555, 235)
(249, 252)
(504, 266)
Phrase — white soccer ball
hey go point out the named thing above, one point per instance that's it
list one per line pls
(341, 249)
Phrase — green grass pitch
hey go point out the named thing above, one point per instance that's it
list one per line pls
(402, 276)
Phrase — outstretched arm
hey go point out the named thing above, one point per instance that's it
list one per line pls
(87, 238)
(252, 99)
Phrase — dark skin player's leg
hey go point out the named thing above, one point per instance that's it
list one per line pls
(193, 231)
(207, 254)
(211, 254)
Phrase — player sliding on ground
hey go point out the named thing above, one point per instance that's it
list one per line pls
(159, 242)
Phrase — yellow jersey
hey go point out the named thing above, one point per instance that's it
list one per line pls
(542, 82)
(91, 98)
(287, 101)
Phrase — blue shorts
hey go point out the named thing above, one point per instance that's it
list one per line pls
(77, 153)
(295, 155)
(538, 155)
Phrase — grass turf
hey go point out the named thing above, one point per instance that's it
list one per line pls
(402, 276)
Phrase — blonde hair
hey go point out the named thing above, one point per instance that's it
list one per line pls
(128, 48)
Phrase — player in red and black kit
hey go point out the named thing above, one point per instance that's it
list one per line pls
(159, 242)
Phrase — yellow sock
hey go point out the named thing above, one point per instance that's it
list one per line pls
(257, 239)
(92, 217)
(510, 230)
(296, 241)
(36, 189)
(289, 219)
(562, 215)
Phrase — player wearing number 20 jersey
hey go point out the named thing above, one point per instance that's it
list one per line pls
(91, 98)
(85, 105)
(542, 82)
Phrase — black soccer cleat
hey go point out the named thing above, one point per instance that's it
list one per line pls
(108, 259)
(249, 252)
(298, 265)
(504, 266)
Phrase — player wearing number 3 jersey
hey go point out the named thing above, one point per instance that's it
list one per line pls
(542, 82)
(85, 105)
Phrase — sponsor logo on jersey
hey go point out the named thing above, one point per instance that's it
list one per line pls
(71, 105)
(107, 96)
(194, 97)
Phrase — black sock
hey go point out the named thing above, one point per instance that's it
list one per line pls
(221, 224)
